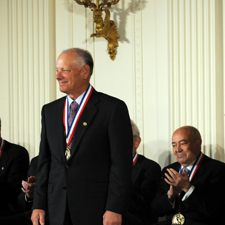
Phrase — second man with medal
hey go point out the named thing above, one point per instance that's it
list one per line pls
(192, 189)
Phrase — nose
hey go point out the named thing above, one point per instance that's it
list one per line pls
(179, 148)
(58, 75)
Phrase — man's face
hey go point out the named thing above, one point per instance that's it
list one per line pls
(185, 149)
(136, 143)
(69, 75)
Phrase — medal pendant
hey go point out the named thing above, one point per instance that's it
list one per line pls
(67, 153)
(178, 219)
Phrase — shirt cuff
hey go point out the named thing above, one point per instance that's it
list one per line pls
(188, 193)
(28, 199)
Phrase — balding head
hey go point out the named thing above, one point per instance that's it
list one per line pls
(186, 142)
(83, 57)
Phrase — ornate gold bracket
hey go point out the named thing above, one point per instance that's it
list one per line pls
(106, 28)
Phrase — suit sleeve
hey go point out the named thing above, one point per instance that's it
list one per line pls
(121, 142)
(161, 205)
(145, 192)
(40, 191)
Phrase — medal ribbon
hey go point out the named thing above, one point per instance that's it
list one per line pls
(135, 158)
(70, 130)
(196, 165)
(2, 146)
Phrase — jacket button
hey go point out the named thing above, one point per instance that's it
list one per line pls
(64, 187)
(67, 167)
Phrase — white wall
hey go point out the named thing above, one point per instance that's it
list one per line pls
(168, 69)
(27, 62)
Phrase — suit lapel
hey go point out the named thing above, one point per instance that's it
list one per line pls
(4, 157)
(177, 167)
(201, 170)
(136, 167)
(84, 122)
(59, 127)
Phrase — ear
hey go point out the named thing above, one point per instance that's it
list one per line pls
(198, 141)
(137, 142)
(86, 71)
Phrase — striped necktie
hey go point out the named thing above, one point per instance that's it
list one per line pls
(73, 109)
(187, 171)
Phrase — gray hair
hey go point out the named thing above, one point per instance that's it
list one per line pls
(84, 57)
(135, 130)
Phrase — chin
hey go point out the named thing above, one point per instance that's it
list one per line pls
(181, 160)
(62, 89)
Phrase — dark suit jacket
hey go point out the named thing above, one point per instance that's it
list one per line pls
(24, 216)
(14, 164)
(97, 177)
(206, 204)
(146, 176)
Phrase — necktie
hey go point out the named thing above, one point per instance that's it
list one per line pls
(187, 171)
(73, 109)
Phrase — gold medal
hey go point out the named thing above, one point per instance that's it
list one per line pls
(178, 219)
(67, 153)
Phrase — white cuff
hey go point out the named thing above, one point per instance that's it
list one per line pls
(188, 193)
(30, 200)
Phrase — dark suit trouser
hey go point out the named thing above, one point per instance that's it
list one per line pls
(67, 219)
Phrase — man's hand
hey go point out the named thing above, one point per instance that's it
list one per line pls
(172, 193)
(111, 218)
(177, 180)
(28, 186)
(38, 215)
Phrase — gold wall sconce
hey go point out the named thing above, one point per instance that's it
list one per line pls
(104, 28)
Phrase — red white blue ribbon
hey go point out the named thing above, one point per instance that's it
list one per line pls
(195, 166)
(2, 147)
(70, 130)
(135, 158)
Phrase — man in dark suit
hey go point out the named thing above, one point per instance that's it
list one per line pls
(85, 161)
(146, 176)
(25, 199)
(192, 189)
(14, 163)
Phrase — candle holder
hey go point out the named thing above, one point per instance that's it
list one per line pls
(104, 28)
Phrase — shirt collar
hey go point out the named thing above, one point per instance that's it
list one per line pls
(190, 166)
(78, 100)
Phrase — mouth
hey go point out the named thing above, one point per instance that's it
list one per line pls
(180, 154)
(62, 83)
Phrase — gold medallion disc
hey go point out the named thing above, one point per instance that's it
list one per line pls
(178, 219)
